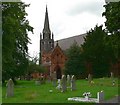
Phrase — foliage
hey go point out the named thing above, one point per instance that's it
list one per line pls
(15, 39)
(33, 67)
(112, 14)
(74, 65)
(95, 51)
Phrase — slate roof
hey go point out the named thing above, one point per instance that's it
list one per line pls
(67, 42)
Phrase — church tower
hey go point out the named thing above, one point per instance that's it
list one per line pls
(46, 38)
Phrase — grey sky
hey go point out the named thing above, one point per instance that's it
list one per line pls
(66, 17)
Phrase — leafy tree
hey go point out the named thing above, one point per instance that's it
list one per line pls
(95, 52)
(112, 14)
(15, 27)
(74, 64)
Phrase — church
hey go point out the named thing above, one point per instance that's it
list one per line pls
(52, 55)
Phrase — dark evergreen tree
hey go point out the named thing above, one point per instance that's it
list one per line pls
(74, 64)
(112, 14)
(15, 39)
(95, 52)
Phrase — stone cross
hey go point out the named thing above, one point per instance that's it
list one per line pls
(89, 78)
(100, 96)
(64, 83)
(10, 88)
(73, 84)
(68, 80)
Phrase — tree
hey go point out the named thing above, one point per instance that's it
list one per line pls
(95, 52)
(112, 24)
(15, 29)
(112, 14)
(74, 64)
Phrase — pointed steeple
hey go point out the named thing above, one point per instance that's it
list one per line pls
(46, 29)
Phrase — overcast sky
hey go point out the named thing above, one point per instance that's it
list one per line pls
(66, 17)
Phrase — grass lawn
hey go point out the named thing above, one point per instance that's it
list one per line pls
(0, 94)
(28, 92)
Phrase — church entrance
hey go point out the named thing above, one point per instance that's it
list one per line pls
(58, 72)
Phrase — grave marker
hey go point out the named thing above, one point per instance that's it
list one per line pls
(64, 83)
(10, 88)
(73, 84)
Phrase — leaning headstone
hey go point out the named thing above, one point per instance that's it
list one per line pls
(10, 88)
(89, 78)
(54, 79)
(68, 81)
(64, 83)
(100, 96)
(73, 84)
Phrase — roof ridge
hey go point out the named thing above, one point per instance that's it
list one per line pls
(72, 37)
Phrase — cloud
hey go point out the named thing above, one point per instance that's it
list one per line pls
(93, 7)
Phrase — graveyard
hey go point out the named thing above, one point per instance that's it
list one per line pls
(29, 92)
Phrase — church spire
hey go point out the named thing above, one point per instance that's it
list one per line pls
(46, 29)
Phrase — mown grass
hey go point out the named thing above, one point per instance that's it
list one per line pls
(28, 92)
(0, 94)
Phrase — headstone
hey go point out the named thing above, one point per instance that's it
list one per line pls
(68, 81)
(59, 85)
(10, 88)
(89, 78)
(100, 96)
(73, 84)
(112, 75)
(54, 79)
(64, 83)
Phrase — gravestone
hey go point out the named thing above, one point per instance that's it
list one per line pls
(59, 85)
(100, 96)
(54, 79)
(111, 75)
(64, 83)
(89, 78)
(73, 84)
(68, 81)
(10, 88)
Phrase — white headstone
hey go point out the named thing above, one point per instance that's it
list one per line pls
(59, 85)
(111, 75)
(64, 83)
(10, 88)
(73, 84)
(100, 96)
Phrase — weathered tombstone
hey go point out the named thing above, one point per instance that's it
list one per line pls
(73, 84)
(54, 79)
(100, 96)
(59, 85)
(68, 81)
(10, 88)
(89, 78)
(64, 83)
(111, 75)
